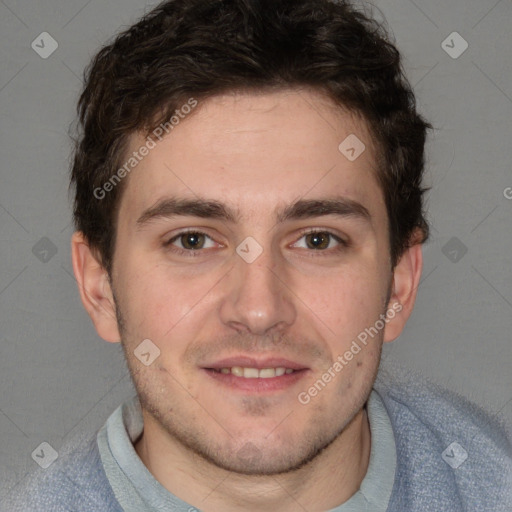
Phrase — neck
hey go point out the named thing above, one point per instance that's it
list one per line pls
(326, 482)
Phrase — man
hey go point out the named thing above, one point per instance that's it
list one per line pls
(249, 226)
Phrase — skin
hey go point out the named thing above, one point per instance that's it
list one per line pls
(216, 447)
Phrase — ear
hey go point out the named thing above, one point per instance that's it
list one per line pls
(406, 279)
(94, 287)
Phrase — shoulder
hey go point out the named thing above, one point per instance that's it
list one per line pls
(75, 482)
(450, 452)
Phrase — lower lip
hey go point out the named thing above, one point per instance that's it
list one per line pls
(257, 385)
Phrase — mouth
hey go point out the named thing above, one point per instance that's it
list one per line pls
(255, 373)
(256, 376)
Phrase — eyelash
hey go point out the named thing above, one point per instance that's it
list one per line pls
(343, 244)
(184, 252)
(308, 231)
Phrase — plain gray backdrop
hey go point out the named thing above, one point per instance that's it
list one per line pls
(59, 379)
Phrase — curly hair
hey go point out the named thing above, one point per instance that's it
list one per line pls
(202, 48)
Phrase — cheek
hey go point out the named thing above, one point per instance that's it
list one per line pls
(348, 301)
(158, 302)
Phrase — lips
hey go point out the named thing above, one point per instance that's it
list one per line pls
(256, 373)
(253, 375)
(251, 362)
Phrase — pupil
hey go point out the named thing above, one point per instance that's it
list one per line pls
(318, 240)
(192, 240)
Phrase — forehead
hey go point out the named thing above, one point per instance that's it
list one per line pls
(256, 151)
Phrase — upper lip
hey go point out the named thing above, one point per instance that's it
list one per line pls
(252, 362)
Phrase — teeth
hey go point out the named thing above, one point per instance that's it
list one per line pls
(251, 373)
(255, 373)
(238, 371)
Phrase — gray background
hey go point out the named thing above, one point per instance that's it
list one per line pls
(59, 379)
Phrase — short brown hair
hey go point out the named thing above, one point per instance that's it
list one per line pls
(202, 48)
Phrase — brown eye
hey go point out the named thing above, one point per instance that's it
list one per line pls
(192, 240)
(318, 240)
(321, 241)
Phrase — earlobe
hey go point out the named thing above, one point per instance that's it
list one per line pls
(406, 278)
(94, 287)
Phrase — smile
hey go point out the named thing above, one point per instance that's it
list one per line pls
(256, 373)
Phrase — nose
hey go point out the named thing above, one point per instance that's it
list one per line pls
(258, 300)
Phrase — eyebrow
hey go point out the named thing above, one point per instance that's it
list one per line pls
(210, 209)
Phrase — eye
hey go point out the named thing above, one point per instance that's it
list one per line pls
(190, 241)
(319, 240)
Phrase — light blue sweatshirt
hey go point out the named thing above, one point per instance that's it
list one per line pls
(450, 457)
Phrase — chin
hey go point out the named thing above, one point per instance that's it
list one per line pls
(261, 461)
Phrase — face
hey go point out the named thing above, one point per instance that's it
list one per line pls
(253, 254)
